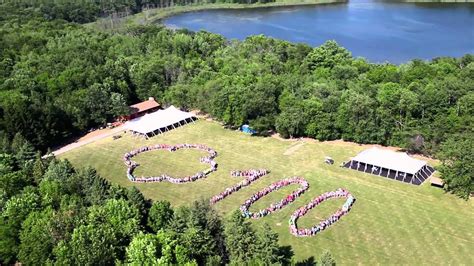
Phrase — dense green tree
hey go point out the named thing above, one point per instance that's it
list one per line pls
(94, 187)
(24, 152)
(120, 215)
(7, 163)
(36, 241)
(12, 183)
(136, 198)
(89, 245)
(457, 169)
(15, 211)
(240, 239)
(39, 168)
(201, 231)
(179, 223)
(144, 249)
(8, 242)
(267, 248)
(357, 119)
(160, 215)
(328, 55)
(60, 170)
(108, 230)
(51, 193)
(199, 243)
(291, 122)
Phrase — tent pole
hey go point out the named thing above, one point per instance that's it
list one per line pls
(422, 169)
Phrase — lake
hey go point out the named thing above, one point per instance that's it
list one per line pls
(377, 30)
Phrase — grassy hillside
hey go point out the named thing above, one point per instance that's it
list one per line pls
(391, 222)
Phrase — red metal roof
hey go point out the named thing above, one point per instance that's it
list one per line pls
(144, 106)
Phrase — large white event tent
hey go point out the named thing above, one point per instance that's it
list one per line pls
(395, 165)
(159, 121)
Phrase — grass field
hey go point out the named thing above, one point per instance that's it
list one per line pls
(391, 222)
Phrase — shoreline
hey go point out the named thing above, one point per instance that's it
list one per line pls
(156, 15)
(159, 16)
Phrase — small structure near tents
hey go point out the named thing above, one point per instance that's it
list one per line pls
(436, 181)
(142, 108)
(247, 129)
(158, 122)
(394, 165)
(328, 160)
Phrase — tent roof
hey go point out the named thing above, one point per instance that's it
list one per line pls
(156, 120)
(398, 161)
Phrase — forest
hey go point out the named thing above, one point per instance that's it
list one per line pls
(59, 79)
(84, 11)
(52, 213)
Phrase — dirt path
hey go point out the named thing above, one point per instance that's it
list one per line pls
(89, 138)
(293, 148)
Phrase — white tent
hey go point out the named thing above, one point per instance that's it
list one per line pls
(156, 121)
(388, 159)
(391, 164)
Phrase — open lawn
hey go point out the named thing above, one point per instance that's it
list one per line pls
(390, 223)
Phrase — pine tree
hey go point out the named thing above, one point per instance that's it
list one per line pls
(17, 143)
(39, 168)
(179, 223)
(7, 163)
(4, 143)
(135, 197)
(160, 215)
(267, 248)
(240, 239)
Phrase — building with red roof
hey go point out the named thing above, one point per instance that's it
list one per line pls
(142, 108)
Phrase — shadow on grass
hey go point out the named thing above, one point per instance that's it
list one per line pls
(287, 253)
(307, 262)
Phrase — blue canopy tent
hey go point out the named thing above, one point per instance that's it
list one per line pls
(247, 129)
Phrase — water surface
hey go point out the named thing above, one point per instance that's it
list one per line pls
(377, 30)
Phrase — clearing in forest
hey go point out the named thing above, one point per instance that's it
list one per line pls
(391, 222)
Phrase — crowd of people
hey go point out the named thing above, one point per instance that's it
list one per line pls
(131, 165)
(244, 208)
(250, 176)
(339, 193)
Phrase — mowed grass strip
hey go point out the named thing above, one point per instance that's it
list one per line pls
(390, 223)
